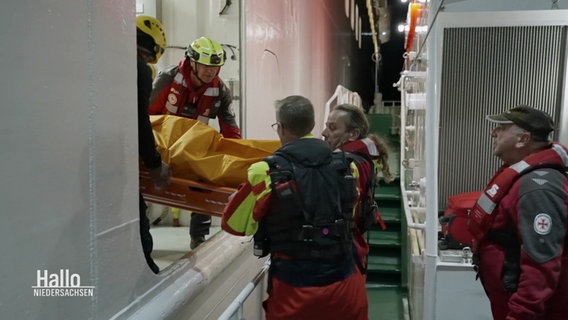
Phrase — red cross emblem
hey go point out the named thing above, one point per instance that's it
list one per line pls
(542, 223)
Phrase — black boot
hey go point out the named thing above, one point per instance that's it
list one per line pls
(198, 228)
(196, 241)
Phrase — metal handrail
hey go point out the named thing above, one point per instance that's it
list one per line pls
(237, 304)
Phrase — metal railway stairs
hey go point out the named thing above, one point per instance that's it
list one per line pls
(387, 262)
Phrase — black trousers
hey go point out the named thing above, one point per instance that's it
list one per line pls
(146, 236)
(199, 225)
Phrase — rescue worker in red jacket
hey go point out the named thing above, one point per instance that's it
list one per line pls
(151, 43)
(347, 129)
(193, 89)
(519, 222)
(298, 204)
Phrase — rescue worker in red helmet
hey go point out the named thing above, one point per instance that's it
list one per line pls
(151, 43)
(193, 89)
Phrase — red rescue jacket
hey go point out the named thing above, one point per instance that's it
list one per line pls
(173, 93)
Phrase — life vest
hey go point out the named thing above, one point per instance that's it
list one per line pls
(182, 97)
(481, 216)
(312, 209)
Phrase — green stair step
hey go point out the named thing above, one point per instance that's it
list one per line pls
(390, 214)
(388, 192)
(375, 279)
(388, 264)
(387, 302)
(385, 238)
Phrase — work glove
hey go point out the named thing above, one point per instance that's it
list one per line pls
(161, 175)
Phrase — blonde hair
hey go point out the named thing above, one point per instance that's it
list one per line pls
(383, 161)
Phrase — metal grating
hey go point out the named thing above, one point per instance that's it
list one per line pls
(488, 70)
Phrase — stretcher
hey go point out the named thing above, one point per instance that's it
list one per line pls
(186, 194)
(206, 167)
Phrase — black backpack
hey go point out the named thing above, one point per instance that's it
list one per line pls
(368, 208)
(315, 209)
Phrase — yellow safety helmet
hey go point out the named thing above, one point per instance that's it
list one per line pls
(206, 51)
(149, 28)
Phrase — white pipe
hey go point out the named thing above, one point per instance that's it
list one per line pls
(403, 110)
(237, 304)
(412, 193)
(409, 220)
(563, 119)
(186, 279)
(431, 159)
(242, 67)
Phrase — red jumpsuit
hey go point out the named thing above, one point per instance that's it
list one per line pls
(536, 207)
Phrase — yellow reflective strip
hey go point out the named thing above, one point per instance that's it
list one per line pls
(355, 172)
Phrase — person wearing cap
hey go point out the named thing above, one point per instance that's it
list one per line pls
(193, 89)
(519, 223)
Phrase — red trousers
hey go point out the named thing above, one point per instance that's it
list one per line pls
(341, 300)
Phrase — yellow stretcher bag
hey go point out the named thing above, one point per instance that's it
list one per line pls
(196, 151)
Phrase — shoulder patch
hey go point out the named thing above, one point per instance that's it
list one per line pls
(542, 224)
